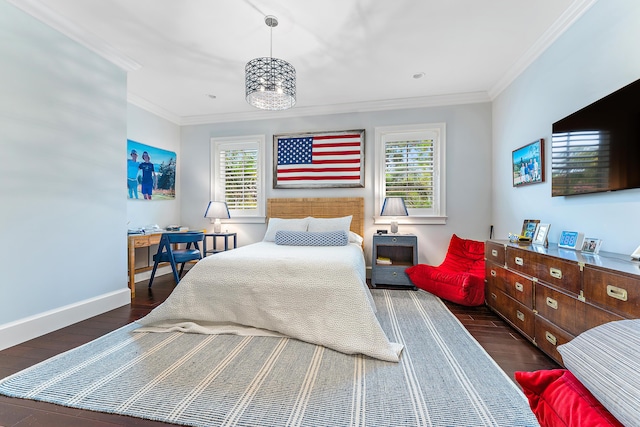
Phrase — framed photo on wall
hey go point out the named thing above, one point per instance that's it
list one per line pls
(528, 164)
(319, 159)
(151, 172)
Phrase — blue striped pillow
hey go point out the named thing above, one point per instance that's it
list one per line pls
(312, 238)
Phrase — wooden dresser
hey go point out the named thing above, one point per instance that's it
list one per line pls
(550, 295)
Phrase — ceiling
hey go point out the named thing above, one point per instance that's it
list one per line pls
(185, 58)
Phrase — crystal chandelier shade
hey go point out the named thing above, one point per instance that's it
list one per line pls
(270, 83)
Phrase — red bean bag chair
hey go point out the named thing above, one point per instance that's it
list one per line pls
(460, 277)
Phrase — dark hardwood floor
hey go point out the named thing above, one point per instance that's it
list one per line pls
(510, 351)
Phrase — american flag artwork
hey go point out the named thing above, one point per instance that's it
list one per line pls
(320, 160)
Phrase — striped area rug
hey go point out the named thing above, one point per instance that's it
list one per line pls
(444, 377)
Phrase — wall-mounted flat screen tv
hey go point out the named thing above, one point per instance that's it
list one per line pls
(597, 148)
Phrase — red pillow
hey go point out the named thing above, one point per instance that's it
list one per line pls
(558, 399)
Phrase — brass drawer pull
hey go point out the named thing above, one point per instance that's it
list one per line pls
(494, 252)
(394, 239)
(493, 273)
(616, 292)
(555, 272)
(552, 303)
(520, 315)
(519, 261)
(519, 287)
(550, 337)
(494, 296)
(395, 273)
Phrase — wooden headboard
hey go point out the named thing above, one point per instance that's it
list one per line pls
(325, 207)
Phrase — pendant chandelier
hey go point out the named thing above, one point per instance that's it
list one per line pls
(270, 83)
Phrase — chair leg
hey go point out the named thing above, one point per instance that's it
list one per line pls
(181, 269)
(153, 272)
(174, 268)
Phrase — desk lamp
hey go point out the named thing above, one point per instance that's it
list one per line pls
(394, 207)
(217, 210)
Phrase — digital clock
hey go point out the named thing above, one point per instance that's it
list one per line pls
(571, 240)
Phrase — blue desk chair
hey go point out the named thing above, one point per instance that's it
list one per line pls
(166, 252)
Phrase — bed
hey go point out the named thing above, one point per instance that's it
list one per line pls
(286, 285)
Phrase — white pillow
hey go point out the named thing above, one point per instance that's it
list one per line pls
(605, 359)
(276, 224)
(355, 238)
(330, 224)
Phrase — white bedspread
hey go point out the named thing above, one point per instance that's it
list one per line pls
(314, 294)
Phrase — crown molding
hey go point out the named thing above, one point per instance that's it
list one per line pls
(356, 107)
(41, 12)
(153, 108)
(562, 24)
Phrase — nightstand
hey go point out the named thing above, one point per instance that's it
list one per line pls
(392, 254)
(215, 236)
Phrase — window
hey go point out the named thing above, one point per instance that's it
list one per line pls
(411, 162)
(237, 165)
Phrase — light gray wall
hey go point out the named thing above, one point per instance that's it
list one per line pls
(62, 138)
(596, 56)
(468, 170)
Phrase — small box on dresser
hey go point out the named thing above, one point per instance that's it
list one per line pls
(402, 252)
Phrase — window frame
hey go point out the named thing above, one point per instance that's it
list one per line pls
(217, 191)
(435, 131)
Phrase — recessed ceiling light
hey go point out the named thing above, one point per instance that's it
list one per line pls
(418, 75)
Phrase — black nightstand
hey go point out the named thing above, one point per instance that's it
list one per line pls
(215, 236)
(400, 251)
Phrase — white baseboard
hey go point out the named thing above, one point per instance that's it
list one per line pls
(31, 327)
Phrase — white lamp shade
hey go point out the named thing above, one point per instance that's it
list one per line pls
(217, 210)
(394, 206)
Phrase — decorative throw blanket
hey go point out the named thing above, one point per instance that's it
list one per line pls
(315, 294)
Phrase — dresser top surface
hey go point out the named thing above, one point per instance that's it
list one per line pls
(608, 260)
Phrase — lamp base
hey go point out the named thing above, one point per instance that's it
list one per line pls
(217, 226)
(394, 227)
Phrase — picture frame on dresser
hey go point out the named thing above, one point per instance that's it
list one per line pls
(591, 245)
(541, 235)
(529, 227)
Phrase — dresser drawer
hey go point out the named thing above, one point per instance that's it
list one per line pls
(519, 316)
(494, 252)
(516, 286)
(390, 275)
(558, 308)
(549, 337)
(557, 272)
(594, 316)
(617, 292)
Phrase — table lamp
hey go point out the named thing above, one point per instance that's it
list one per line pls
(394, 207)
(217, 210)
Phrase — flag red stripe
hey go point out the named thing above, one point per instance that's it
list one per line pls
(338, 144)
(336, 136)
(335, 153)
(324, 162)
(356, 169)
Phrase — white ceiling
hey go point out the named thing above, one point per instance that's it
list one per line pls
(349, 55)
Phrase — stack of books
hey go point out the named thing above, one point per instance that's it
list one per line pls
(383, 260)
